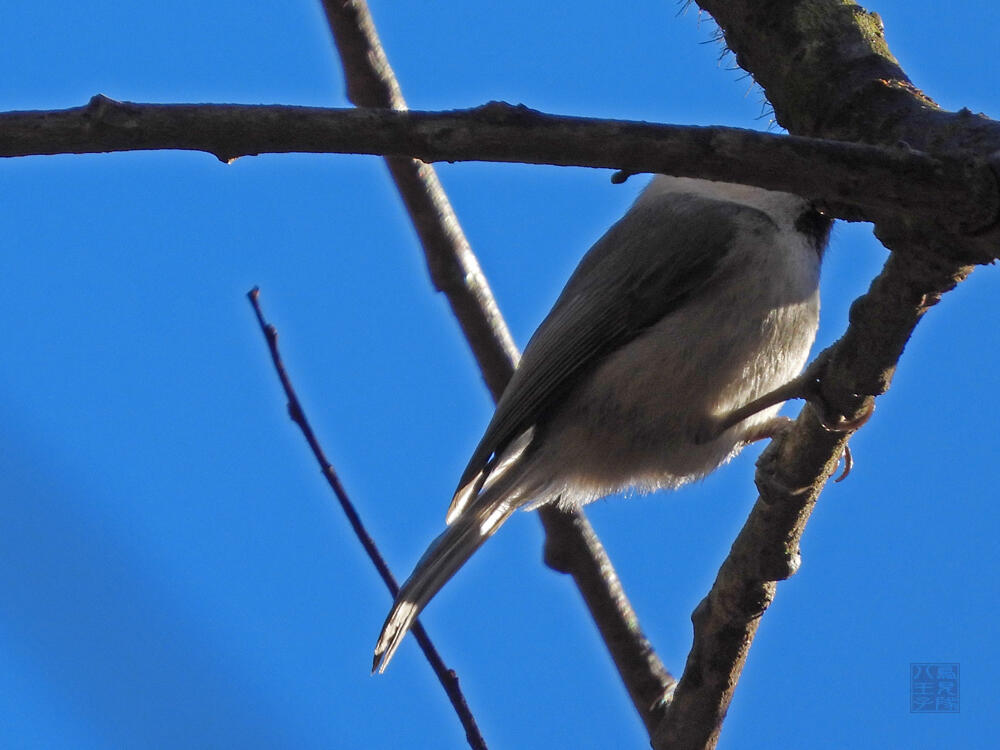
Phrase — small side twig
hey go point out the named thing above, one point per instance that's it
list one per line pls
(447, 677)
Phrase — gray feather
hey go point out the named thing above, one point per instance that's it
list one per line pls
(592, 316)
(701, 299)
(443, 558)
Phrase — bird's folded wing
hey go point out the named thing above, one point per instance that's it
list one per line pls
(658, 255)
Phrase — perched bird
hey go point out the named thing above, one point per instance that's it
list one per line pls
(702, 299)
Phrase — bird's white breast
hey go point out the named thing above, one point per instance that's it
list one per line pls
(616, 432)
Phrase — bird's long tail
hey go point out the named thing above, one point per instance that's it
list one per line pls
(441, 561)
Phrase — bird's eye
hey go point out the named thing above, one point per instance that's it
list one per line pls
(814, 225)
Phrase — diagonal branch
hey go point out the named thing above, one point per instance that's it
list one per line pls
(791, 473)
(445, 676)
(572, 546)
(452, 265)
(825, 67)
(843, 83)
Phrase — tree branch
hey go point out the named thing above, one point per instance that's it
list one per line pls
(447, 677)
(791, 473)
(452, 265)
(571, 544)
(827, 74)
(572, 547)
(825, 67)
(857, 180)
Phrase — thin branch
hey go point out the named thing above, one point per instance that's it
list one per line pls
(952, 188)
(571, 544)
(447, 677)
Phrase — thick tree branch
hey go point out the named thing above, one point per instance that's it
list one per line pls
(791, 473)
(858, 181)
(571, 545)
(825, 67)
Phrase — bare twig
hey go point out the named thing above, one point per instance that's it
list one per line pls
(446, 677)
(572, 546)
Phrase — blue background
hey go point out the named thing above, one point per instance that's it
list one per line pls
(173, 571)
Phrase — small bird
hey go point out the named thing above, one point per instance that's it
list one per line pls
(652, 369)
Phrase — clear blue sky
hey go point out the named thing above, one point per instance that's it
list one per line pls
(173, 571)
